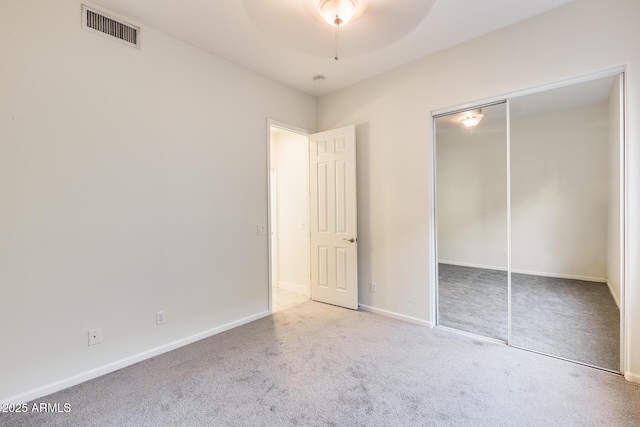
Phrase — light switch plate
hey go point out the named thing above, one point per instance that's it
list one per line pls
(262, 228)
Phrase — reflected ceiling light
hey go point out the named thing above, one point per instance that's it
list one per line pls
(472, 118)
(337, 13)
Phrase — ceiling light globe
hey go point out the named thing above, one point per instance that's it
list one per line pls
(472, 118)
(344, 10)
(471, 121)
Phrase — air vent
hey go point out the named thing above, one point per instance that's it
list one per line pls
(99, 23)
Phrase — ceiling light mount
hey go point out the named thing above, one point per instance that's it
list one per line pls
(472, 118)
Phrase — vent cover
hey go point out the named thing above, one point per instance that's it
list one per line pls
(99, 23)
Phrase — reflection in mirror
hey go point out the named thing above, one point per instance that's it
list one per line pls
(565, 222)
(471, 204)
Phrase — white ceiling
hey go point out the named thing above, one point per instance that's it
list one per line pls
(288, 41)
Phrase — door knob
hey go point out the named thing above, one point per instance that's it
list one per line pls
(351, 240)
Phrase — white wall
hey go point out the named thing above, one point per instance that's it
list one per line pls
(559, 192)
(291, 155)
(613, 219)
(392, 113)
(131, 181)
(472, 196)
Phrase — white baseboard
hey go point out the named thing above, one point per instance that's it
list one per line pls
(631, 377)
(396, 316)
(468, 264)
(528, 272)
(561, 276)
(294, 287)
(127, 361)
(613, 295)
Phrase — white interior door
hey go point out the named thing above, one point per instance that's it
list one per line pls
(333, 217)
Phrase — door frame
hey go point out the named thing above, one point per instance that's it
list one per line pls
(271, 257)
(622, 71)
(273, 220)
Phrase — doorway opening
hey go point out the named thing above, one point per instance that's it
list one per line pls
(313, 217)
(530, 221)
(289, 217)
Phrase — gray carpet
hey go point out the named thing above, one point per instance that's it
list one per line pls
(573, 319)
(473, 300)
(319, 365)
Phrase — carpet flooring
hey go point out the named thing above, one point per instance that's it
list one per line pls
(320, 365)
(473, 300)
(573, 319)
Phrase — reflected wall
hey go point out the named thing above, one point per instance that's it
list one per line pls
(471, 199)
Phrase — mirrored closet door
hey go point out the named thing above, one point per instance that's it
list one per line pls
(530, 221)
(565, 222)
(471, 200)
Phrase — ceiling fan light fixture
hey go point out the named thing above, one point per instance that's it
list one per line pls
(337, 12)
(472, 118)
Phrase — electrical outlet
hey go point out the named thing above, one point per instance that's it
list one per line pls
(504, 255)
(374, 287)
(160, 318)
(95, 336)
(262, 228)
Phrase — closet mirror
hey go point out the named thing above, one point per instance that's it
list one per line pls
(471, 206)
(565, 222)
